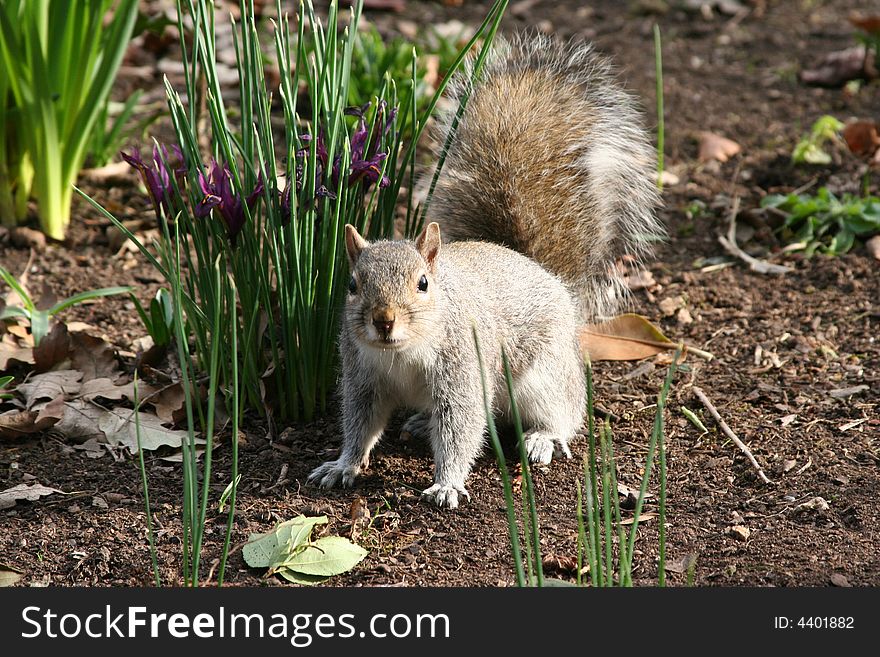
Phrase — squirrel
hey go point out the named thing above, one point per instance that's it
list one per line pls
(548, 181)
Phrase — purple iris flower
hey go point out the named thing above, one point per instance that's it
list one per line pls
(155, 175)
(220, 195)
(366, 162)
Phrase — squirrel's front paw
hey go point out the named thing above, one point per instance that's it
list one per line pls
(328, 474)
(445, 496)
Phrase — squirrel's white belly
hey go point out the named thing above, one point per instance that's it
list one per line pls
(403, 372)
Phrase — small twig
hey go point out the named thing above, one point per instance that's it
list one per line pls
(730, 245)
(281, 480)
(729, 433)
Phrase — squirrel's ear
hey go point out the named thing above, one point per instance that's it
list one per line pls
(354, 244)
(428, 244)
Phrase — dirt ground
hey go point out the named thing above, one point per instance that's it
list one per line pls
(781, 345)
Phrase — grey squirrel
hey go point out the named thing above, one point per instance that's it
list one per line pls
(548, 181)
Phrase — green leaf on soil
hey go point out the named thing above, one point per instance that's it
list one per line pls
(327, 556)
(299, 578)
(552, 582)
(272, 549)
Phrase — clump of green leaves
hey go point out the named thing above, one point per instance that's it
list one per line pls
(824, 222)
(271, 204)
(4, 383)
(159, 319)
(289, 551)
(58, 60)
(810, 149)
(39, 317)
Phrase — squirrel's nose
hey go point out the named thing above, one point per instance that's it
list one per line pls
(383, 320)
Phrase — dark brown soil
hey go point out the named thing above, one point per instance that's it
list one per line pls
(781, 344)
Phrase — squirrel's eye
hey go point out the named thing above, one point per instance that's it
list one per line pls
(352, 286)
(423, 284)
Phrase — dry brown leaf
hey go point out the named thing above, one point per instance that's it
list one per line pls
(869, 24)
(9, 576)
(169, 403)
(79, 423)
(862, 138)
(28, 492)
(83, 421)
(50, 385)
(681, 565)
(645, 517)
(716, 147)
(28, 238)
(53, 352)
(873, 246)
(93, 356)
(626, 337)
(12, 353)
(838, 68)
(106, 389)
(17, 424)
(560, 563)
(120, 428)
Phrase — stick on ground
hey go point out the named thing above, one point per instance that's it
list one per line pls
(729, 433)
(730, 245)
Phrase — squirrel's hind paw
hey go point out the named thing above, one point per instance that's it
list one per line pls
(445, 496)
(418, 425)
(328, 474)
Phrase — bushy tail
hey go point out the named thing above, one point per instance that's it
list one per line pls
(551, 159)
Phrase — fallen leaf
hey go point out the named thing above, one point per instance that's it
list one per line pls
(121, 429)
(873, 246)
(740, 532)
(268, 550)
(79, 422)
(862, 137)
(630, 496)
(358, 512)
(843, 393)
(560, 563)
(16, 424)
(169, 403)
(645, 517)
(787, 419)
(839, 67)
(298, 578)
(817, 503)
(92, 356)
(328, 556)
(837, 579)
(106, 389)
(626, 337)
(716, 147)
(869, 24)
(11, 352)
(49, 385)
(53, 350)
(27, 492)
(28, 238)
(9, 575)
(852, 425)
(682, 565)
